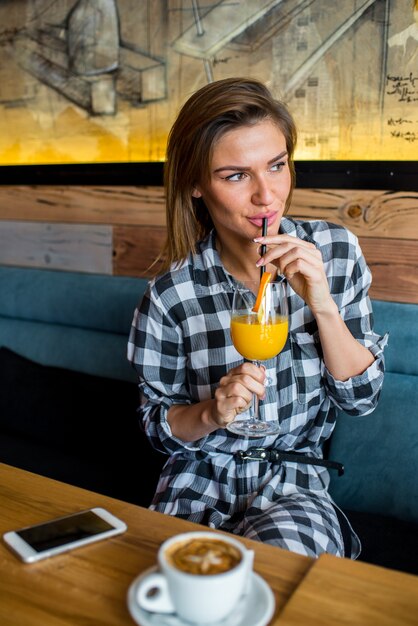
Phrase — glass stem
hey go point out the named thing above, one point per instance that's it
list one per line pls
(255, 407)
(256, 403)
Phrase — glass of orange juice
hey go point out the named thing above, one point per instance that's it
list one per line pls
(259, 335)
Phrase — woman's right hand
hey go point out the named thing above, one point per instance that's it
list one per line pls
(235, 392)
(190, 422)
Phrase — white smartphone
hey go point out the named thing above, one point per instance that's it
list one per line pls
(54, 536)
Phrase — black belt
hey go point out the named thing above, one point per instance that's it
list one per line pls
(273, 456)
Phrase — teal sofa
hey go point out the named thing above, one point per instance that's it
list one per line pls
(68, 396)
(68, 402)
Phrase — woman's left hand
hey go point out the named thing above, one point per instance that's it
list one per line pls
(301, 262)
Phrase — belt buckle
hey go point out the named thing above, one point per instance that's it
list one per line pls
(253, 454)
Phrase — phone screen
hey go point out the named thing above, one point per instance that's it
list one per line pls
(63, 531)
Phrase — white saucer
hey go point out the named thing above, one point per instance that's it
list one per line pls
(256, 608)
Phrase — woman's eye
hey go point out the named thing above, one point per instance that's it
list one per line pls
(235, 177)
(277, 167)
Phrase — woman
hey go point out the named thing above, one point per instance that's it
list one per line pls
(229, 165)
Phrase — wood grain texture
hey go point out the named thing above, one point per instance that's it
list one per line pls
(69, 247)
(135, 248)
(394, 267)
(366, 213)
(89, 585)
(84, 204)
(349, 593)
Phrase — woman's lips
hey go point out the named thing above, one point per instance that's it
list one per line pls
(257, 220)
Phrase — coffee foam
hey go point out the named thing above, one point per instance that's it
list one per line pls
(203, 556)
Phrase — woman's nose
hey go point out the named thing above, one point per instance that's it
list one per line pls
(262, 194)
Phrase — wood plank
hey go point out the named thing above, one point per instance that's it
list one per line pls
(394, 267)
(135, 248)
(351, 593)
(83, 204)
(368, 213)
(70, 247)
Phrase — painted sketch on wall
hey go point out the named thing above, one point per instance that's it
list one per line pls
(88, 81)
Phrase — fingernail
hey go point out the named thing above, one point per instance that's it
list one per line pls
(260, 262)
(257, 239)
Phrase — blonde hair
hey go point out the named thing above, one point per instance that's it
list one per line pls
(208, 114)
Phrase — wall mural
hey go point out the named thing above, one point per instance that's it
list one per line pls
(89, 81)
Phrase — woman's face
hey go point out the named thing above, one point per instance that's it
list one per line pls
(249, 180)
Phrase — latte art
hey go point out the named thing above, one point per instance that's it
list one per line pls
(203, 556)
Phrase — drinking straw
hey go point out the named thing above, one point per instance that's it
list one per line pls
(263, 247)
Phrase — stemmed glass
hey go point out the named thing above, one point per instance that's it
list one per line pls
(258, 336)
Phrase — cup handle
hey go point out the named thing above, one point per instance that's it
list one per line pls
(249, 562)
(159, 601)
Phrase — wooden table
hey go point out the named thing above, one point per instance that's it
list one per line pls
(89, 585)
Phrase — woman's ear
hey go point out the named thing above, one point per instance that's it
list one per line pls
(196, 193)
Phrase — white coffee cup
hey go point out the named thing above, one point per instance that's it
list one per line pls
(195, 597)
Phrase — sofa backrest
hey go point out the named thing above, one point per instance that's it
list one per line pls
(72, 320)
(399, 320)
(380, 450)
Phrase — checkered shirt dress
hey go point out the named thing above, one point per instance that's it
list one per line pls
(180, 346)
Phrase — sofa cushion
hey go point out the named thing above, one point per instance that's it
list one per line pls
(83, 420)
(380, 453)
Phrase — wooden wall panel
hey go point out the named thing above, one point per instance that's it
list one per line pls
(83, 204)
(394, 267)
(135, 248)
(386, 223)
(69, 247)
(366, 213)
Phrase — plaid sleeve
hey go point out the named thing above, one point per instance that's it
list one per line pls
(156, 350)
(359, 394)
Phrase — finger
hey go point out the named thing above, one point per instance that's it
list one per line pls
(285, 256)
(284, 240)
(275, 253)
(242, 410)
(228, 407)
(313, 260)
(244, 387)
(253, 370)
(249, 369)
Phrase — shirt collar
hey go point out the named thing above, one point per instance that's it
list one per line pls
(295, 228)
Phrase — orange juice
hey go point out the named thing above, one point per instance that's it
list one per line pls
(255, 341)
